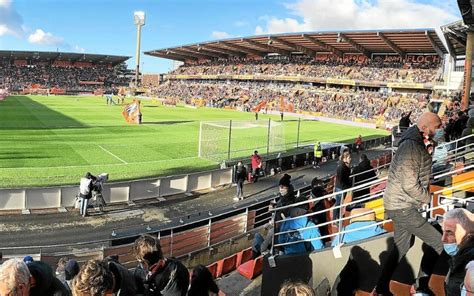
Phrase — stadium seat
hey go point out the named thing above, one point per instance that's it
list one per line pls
(243, 256)
(213, 269)
(252, 268)
(436, 284)
(363, 293)
(399, 289)
(226, 265)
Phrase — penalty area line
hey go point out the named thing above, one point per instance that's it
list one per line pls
(113, 154)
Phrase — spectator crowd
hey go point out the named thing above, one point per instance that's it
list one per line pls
(375, 70)
(19, 77)
(347, 104)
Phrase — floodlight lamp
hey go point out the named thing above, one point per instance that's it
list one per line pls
(139, 17)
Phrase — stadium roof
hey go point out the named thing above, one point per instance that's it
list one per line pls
(62, 56)
(456, 37)
(399, 42)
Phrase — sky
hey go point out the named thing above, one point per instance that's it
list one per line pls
(106, 26)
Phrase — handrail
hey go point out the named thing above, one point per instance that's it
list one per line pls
(456, 140)
(378, 209)
(453, 172)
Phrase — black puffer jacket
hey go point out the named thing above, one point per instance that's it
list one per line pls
(457, 267)
(46, 283)
(409, 173)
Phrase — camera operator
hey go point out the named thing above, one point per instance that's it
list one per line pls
(86, 186)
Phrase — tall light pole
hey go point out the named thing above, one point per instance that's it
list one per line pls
(139, 17)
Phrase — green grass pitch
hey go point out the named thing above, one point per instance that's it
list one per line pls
(55, 140)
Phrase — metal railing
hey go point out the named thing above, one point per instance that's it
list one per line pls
(366, 198)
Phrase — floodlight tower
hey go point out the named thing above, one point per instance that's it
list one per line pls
(139, 17)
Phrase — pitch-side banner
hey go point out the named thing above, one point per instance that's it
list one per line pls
(131, 112)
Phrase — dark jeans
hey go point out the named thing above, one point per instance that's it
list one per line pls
(407, 224)
(240, 189)
(255, 173)
(339, 198)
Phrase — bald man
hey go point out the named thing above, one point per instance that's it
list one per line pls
(406, 192)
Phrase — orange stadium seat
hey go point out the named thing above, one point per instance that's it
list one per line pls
(226, 265)
(243, 256)
(213, 269)
(252, 268)
(400, 289)
(436, 284)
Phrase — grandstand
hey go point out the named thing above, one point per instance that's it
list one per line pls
(61, 73)
(330, 74)
(355, 77)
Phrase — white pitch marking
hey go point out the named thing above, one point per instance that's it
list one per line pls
(113, 154)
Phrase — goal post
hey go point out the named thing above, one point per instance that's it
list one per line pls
(230, 139)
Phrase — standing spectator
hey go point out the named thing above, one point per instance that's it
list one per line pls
(14, 278)
(405, 121)
(343, 181)
(318, 154)
(202, 283)
(256, 162)
(407, 191)
(358, 144)
(281, 115)
(458, 240)
(166, 276)
(240, 176)
(364, 172)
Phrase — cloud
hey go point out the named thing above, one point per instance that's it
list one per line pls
(240, 24)
(77, 48)
(359, 14)
(45, 38)
(11, 22)
(221, 35)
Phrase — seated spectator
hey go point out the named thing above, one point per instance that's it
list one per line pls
(66, 270)
(103, 278)
(458, 241)
(296, 289)
(202, 283)
(286, 196)
(14, 278)
(296, 233)
(166, 276)
(364, 218)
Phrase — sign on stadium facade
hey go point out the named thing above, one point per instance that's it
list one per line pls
(362, 59)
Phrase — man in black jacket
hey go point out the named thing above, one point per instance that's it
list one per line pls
(407, 191)
(240, 176)
(363, 172)
(458, 240)
(343, 180)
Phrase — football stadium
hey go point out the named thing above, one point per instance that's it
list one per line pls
(323, 162)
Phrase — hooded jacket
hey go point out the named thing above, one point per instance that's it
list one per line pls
(168, 278)
(46, 284)
(125, 280)
(457, 267)
(409, 173)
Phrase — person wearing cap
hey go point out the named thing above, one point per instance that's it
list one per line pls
(256, 162)
(458, 242)
(28, 259)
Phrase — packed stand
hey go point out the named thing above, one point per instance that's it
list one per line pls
(347, 104)
(375, 70)
(76, 79)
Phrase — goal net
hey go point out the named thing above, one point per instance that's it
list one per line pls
(244, 136)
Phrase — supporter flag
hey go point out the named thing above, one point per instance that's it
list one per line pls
(131, 112)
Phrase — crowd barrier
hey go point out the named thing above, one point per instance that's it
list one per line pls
(120, 192)
(129, 191)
